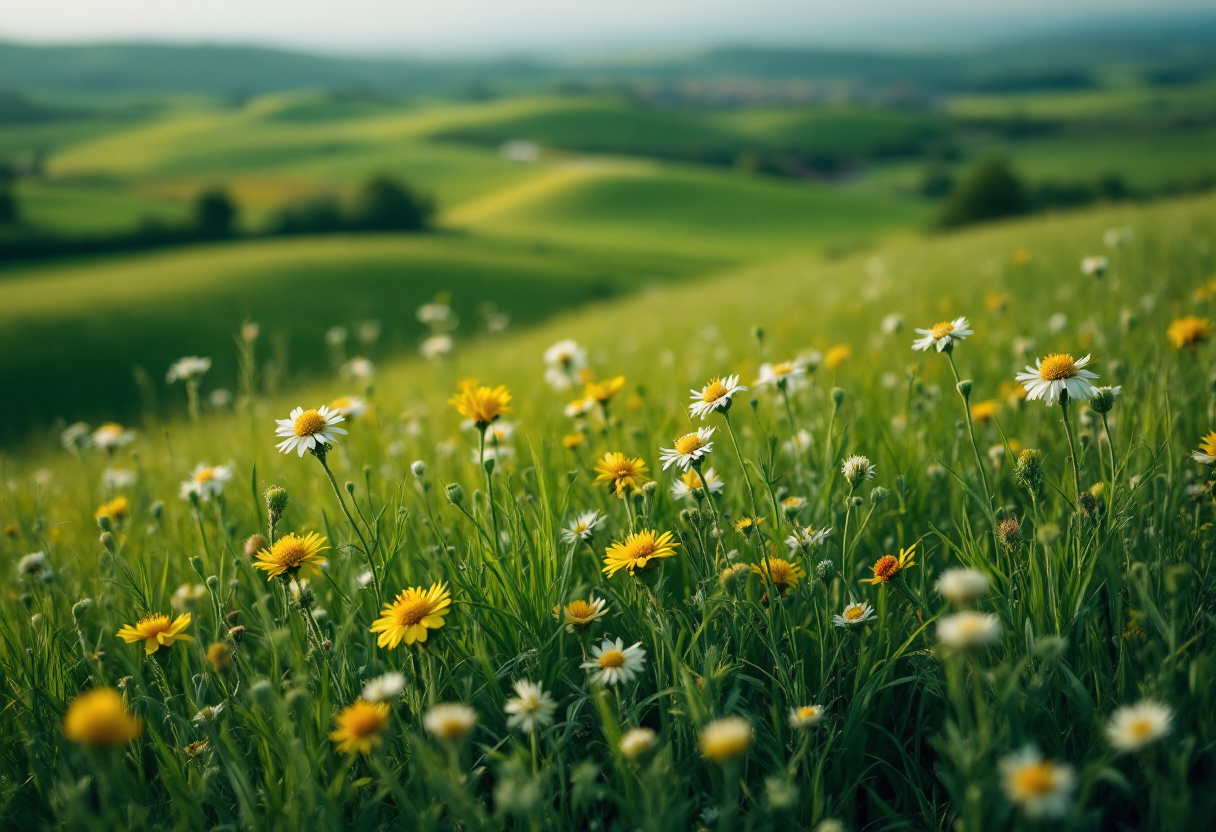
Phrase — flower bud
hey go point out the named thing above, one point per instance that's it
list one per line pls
(276, 503)
(236, 634)
(158, 509)
(262, 693)
(107, 540)
(418, 467)
(213, 583)
(879, 495)
(254, 544)
(80, 608)
(455, 493)
(837, 396)
(825, 569)
(196, 563)
(105, 523)
(1103, 399)
(489, 465)
(350, 488)
(1009, 533)
(1029, 470)
(964, 387)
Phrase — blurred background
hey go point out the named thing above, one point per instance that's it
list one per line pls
(172, 172)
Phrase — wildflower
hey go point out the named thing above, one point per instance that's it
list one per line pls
(306, 429)
(692, 480)
(623, 475)
(352, 407)
(853, 615)
(725, 739)
(358, 368)
(637, 741)
(532, 707)
(1029, 469)
(384, 688)
(1189, 332)
(808, 716)
(219, 656)
(793, 504)
(1117, 237)
(717, 395)
(414, 611)
(799, 443)
(734, 576)
(449, 721)
(32, 565)
(962, 586)
(982, 412)
(572, 440)
(206, 481)
(579, 614)
(582, 527)
(835, 358)
(1009, 533)
(689, 449)
(562, 361)
(782, 573)
(156, 631)
(187, 596)
(746, 525)
(613, 663)
(436, 346)
(579, 407)
(1057, 322)
(116, 478)
(603, 391)
(892, 323)
(969, 629)
(1042, 788)
(1132, 727)
(784, 375)
(1207, 449)
(1057, 376)
(115, 510)
(291, 552)
(433, 313)
(857, 469)
(943, 336)
(888, 566)
(75, 436)
(637, 551)
(197, 747)
(99, 717)
(482, 405)
(359, 727)
(806, 538)
(188, 369)
(111, 436)
(1096, 266)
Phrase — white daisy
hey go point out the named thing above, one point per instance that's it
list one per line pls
(532, 707)
(799, 443)
(185, 369)
(188, 596)
(784, 375)
(206, 481)
(969, 629)
(689, 448)
(892, 323)
(305, 429)
(112, 435)
(854, 615)
(385, 688)
(582, 527)
(805, 717)
(690, 480)
(336, 336)
(449, 720)
(580, 407)
(498, 453)
(1055, 375)
(115, 478)
(437, 346)
(962, 585)
(1042, 788)
(717, 395)
(1094, 266)
(358, 368)
(434, 313)
(857, 469)
(942, 335)
(1132, 727)
(806, 538)
(352, 407)
(209, 713)
(75, 436)
(563, 360)
(637, 741)
(612, 662)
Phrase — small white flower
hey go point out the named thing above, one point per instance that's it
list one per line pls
(854, 615)
(1042, 788)
(969, 629)
(637, 741)
(386, 688)
(437, 346)
(115, 478)
(1055, 376)
(717, 395)
(188, 368)
(942, 335)
(112, 435)
(31, 564)
(582, 527)
(358, 368)
(1117, 237)
(808, 716)
(857, 469)
(892, 323)
(336, 336)
(613, 663)
(75, 436)
(434, 313)
(690, 480)
(688, 449)
(785, 375)
(807, 538)
(1132, 727)
(209, 714)
(532, 707)
(799, 443)
(1094, 266)
(365, 578)
(449, 720)
(188, 596)
(352, 407)
(206, 481)
(563, 360)
(306, 429)
(1057, 322)
(961, 585)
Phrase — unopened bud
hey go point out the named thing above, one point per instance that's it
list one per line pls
(107, 541)
(254, 544)
(455, 493)
(964, 387)
(236, 634)
(276, 503)
(418, 467)
(837, 396)
(80, 608)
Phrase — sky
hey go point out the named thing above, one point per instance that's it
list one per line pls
(437, 27)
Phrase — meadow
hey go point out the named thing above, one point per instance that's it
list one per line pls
(910, 596)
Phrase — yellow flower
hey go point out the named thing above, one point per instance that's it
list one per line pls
(98, 717)
(888, 566)
(359, 727)
(481, 404)
(219, 655)
(415, 611)
(290, 552)
(837, 355)
(622, 474)
(603, 391)
(783, 574)
(117, 510)
(638, 550)
(996, 301)
(1207, 449)
(572, 440)
(156, 631)
(579, 613)
(1189, 332)
(983, 411)
(1021, 257)
(747, 525)
(725, 739)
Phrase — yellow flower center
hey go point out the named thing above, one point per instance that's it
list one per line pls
(693, 480)
(783, 369)
(688, 444)
(364, 722)
(778, 570)
(942, 330)
(411, 611)
(580, 610)
(886, 568)
(808, 712)
(1034, 780)
(1140, 729)
(204, 475)
(854, 613)
(308, 423)
(713, 391)
(612, 658)
(290, 553)
(1057, 367)
(152, 625)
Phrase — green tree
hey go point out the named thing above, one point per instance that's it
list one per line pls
(215, 213)
(989, 191)
(384, 204)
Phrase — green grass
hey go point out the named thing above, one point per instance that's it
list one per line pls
(1096, 611)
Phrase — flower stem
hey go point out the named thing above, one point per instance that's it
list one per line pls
(1072, 448)
(371, 563)
(971, 429)
(742, 465)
